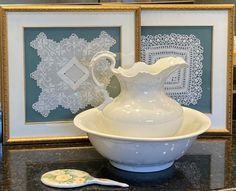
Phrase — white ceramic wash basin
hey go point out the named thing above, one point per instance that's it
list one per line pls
(139, 154)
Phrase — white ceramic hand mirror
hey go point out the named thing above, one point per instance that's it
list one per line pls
(71, 178)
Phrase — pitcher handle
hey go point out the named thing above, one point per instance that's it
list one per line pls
(103, 54)
(111, 57)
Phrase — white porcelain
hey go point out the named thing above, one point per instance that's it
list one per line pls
(142, 108)
(141, 154)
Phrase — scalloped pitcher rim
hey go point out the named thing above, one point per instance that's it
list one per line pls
(153, 69)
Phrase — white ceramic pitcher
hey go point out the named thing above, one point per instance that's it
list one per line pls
(142, 109)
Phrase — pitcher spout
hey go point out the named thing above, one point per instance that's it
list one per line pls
(166, 66)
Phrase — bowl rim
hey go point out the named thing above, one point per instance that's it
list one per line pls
(128, 138)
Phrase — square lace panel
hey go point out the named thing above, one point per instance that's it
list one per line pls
(183, 85)
(63, 73)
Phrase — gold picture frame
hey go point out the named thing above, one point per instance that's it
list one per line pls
(222, 121)
(13, 133)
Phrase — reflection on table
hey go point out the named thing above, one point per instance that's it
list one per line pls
(206, 166)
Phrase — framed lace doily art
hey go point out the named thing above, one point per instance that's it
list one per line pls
(190, 87)
(203, 36)
(59, 85)
(47, 56)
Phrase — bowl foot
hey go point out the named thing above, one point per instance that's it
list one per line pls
(142, 168)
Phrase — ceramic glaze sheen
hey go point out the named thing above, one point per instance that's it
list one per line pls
(140, 154)
(142, 109)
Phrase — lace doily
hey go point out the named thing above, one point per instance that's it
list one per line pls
(63, 73)
(183, 85)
